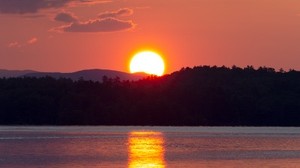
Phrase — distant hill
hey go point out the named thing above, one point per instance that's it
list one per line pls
(91, 74)
(14, 73)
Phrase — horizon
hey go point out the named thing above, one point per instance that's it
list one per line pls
(230, 67)
(69, 36)
(98, 74)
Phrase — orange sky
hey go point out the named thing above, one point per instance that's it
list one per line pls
(73, 35)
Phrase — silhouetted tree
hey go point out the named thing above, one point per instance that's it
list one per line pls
(201, 95)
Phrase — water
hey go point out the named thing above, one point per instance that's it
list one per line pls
(149, 147)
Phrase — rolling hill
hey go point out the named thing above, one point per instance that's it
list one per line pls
(91, 74)
(14, 73)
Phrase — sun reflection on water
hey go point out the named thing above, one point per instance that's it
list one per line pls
(146, 149)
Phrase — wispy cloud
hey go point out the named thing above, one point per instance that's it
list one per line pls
(98, 25)
(13, 44)
(106, 22)
(32, 40)
(115, 14)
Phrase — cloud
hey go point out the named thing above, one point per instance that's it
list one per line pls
(66, 17)
(92, 2)
(29, 6)
(32, 40)
(118, 13)
(34, 6)
(107, 22)
(13, 44)
(98, 25)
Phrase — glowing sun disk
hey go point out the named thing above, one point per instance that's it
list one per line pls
(148, 62)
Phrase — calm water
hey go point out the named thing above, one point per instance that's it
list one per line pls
(149, 147)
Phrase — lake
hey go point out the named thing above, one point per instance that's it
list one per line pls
(149, 147)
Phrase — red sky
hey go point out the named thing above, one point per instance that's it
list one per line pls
(70, 35)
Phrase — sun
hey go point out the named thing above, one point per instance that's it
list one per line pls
(148, 62)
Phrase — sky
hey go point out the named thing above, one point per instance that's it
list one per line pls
(71, 35)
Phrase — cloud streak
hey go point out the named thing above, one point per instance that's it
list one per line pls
(13, 44)
(115, 14)
(99, 25)
(30, 41)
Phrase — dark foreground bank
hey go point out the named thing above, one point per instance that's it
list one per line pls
(192, 96)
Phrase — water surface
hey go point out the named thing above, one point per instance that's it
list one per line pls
(149, 147)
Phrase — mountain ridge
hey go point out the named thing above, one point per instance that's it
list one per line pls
(86, 74)
(14, 73)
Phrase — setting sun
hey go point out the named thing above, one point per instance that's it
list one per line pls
(148, 62)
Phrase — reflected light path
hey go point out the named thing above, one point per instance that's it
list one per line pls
(146, 150)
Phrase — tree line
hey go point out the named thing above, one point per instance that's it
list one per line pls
(202, 95)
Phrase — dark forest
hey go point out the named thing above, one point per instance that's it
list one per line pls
(203, 95)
